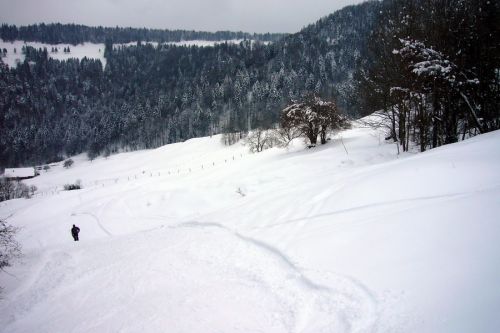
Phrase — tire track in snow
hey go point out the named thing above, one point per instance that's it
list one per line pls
(342, 303)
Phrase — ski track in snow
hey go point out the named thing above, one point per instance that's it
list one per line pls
(351, 303)
(334, 304)
(96, 219)
(318, 243)
(309, 217)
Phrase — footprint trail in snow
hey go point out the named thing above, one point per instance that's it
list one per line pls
(190, 278)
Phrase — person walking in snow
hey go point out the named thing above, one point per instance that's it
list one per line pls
(74, 232)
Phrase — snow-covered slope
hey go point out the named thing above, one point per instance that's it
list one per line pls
(89, 50)
(198, 237)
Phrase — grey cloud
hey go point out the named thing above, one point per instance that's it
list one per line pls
(210, 15)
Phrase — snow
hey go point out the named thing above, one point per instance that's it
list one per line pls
(89, 50)
(19, 172)
(196, 42)
(200, 237)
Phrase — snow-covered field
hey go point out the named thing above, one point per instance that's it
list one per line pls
(195, 42)
(199, 237)
(89, 50)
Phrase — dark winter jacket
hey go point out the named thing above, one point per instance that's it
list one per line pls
(75, 230)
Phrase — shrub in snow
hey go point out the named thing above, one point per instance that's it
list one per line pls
(9, 247)
(284, 135)
(32, 189)
(260, 139)
(68, 163)
(13, 189)
(76, 186)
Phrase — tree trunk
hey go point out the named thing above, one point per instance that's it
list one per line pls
(312, 134)
(313, 139)
(473, 114)
(393, 125)
(323, 136)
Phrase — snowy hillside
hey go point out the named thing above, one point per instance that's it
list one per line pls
(199, 237)
(89, 50)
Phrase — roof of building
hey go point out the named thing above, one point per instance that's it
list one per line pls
(19, 172)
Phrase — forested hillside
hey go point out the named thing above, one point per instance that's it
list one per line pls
(153, 94)
(149, 95)
(433, 68)
(57, 33)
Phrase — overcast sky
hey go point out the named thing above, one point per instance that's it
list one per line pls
(206, 15)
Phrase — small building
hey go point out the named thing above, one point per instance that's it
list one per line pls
(19, 173)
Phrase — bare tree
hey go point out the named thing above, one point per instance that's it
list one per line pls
(259, 139)
(284, 135)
